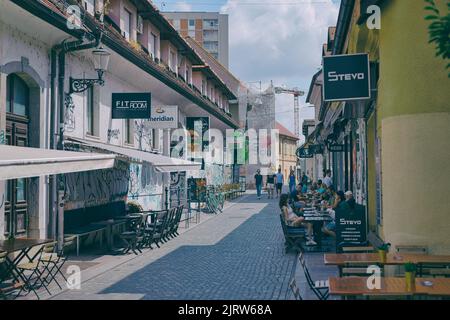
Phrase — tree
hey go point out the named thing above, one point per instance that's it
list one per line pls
(439, 30)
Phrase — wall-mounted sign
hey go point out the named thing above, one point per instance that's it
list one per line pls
(336, 148)
(304, 153)
(316, 148)
(346, 77)
(351, 226)
(164, 117)
(131, 105)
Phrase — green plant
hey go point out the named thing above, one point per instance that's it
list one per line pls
(439, 29)
(410, 267)
(134, 207)
(384, 247)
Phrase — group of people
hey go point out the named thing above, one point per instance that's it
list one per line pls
(275, 182)
(292, 205)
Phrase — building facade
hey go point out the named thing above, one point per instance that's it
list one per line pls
(287, 159)
(396, 145)
(43, 47)
(210, 29)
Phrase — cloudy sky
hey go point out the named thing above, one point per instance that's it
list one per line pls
(278, 40)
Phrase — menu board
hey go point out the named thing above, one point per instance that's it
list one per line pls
(351, 226)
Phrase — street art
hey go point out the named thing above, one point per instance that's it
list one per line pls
(2, 202)
(146, 186)
(2, 137)
(143, 133)
(113, 134)
(214, 174)
(69, 117)
(93, 188)
(177, 182)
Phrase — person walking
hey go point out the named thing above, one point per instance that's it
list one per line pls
(305, 179)
(258, 183)
(292, 182)
(270, 185)
(280, 181)
(327, 180)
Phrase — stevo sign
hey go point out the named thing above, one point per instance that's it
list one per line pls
(346, 77)
(131, 105)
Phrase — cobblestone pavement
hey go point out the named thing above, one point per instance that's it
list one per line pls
(238, 254)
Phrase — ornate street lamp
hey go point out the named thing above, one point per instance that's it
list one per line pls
(101, 61)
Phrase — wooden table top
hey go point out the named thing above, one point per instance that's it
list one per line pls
(354, 286)
(341, 259)
(13, 245)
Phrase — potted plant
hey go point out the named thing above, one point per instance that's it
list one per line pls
(134, 207)
(382, 251)
(410, 275)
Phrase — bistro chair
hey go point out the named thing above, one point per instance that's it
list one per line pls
(319, 287)
(295, 289)
(7, 285)
(159, 226)
(179, 213)
(134, 235)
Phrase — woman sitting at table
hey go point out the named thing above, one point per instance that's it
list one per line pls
(330, 227)
(294, 221)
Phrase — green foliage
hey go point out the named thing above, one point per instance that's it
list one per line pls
(384, 247)
(134, 207)
(439, 29)
(410, 267)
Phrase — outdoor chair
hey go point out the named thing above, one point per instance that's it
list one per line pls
(134, 235)
(36, 273)
(295, 289)
(319, 287)
(167, 229)
(292, 236)
(154, 231)
(176, 222)
(7, 285)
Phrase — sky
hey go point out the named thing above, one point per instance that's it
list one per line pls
(272, 40)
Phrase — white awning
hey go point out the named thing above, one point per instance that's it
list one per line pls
(160, 162)
(23, 162)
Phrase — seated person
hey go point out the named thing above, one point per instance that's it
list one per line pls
(294, 221)
(330, 227)
(320, 187)
(304, 189)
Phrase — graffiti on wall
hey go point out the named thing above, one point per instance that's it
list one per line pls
(146, 186)
(2, 137)
(93, 188)
(113, 134)
(69, 116)
(177, 187)
(214, 174)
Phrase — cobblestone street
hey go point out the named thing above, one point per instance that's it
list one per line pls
(238, 254)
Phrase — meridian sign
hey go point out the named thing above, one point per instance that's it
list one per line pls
(131, 105)
(346, 77)
(164, 117)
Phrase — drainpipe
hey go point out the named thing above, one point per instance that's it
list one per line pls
(52, 179)
(64, 48)
(345, 15)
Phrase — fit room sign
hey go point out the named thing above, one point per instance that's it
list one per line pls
(131, 105)
(346, 77)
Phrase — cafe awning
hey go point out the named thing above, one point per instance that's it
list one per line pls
(24, 162)
(160, 162)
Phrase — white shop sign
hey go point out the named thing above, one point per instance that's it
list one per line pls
(164, 117)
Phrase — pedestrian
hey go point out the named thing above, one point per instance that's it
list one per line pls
(270, 185)
(327, 180)
(305, 179)
(291, 182)
(280, 180)
(258, 183)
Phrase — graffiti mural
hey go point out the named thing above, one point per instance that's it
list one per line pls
(93, 188)
(146, 186)
(177, 182)
(113, 134)
(2, 137)
(214, 174)
(69, 117)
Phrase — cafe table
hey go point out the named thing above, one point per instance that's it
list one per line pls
(350, 287)
(344, 259)
(23, 246)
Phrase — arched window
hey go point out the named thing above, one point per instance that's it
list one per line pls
(17, 96)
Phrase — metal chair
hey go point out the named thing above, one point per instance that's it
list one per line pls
(320, 287)
(7, 285)
(295, 290)
(134, 235)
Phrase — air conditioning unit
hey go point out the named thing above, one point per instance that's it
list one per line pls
(140, 25)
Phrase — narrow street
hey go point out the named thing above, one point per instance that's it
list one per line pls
(238, 254)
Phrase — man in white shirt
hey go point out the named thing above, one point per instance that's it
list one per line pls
(328, 181)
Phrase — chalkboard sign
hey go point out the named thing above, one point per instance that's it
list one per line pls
(351, 226)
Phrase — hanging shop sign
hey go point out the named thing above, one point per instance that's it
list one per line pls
(131, 105)
(351, 226)
(336, 148)
(304, 153)
(346, 77)
(164, 117)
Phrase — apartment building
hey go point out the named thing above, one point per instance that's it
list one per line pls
(210, 29)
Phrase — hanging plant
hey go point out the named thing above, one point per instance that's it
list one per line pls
(439, 30)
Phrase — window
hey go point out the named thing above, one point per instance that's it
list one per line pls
(152, 44)
(204, 91)
(140, 25)
(127, 17)
(191, 24)
(17, 96)
(191, 33)
(89, 6)
(90, 111)
(173, 61)
(188, 78)
(129, 131)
